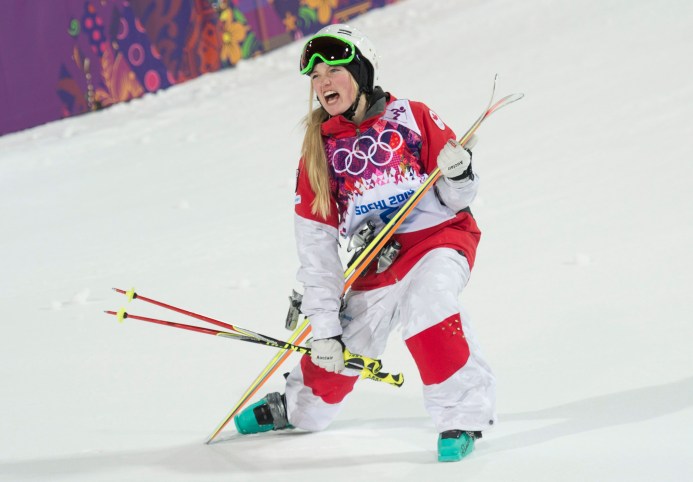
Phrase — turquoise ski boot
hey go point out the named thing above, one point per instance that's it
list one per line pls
(454, 445)
(263, 416)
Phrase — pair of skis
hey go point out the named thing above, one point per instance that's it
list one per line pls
(368, 367)
(364, 259)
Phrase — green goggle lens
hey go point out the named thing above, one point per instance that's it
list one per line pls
(329, 49)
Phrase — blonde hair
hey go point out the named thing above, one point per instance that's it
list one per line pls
(315, 160)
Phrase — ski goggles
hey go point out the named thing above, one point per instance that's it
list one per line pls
(329, 49)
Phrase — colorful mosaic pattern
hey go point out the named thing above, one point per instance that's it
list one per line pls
(381, 155)
(90, 54)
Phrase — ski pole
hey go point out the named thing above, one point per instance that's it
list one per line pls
(132, 295)
(375, 365)
(369, 367)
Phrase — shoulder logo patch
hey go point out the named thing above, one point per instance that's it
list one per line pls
(437, 120)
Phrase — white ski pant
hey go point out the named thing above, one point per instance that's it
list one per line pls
(458, 384)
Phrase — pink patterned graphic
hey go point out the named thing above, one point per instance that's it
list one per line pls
(379, 156)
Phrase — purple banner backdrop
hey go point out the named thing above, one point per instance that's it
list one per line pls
(68, 57)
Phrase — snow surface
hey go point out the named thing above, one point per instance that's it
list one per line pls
(581, 295)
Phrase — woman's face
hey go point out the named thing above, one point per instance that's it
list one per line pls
(334, 87)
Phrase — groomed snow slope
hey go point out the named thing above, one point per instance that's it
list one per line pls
(581, 294)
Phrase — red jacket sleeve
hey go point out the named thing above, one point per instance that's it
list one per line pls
(305, 197)
(434, 133)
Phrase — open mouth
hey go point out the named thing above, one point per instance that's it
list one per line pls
(331, 97)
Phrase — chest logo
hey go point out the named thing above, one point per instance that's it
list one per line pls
(367, 150)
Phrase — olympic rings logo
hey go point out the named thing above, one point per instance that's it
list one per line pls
(356, 160)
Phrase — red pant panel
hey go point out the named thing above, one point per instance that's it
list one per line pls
(440, 350)
(330, 387)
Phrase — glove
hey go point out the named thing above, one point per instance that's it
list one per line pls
(328, 354)
(454, 161)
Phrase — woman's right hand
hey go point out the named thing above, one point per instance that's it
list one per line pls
(328, 354)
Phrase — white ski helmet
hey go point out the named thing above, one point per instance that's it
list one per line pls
(320, 48)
